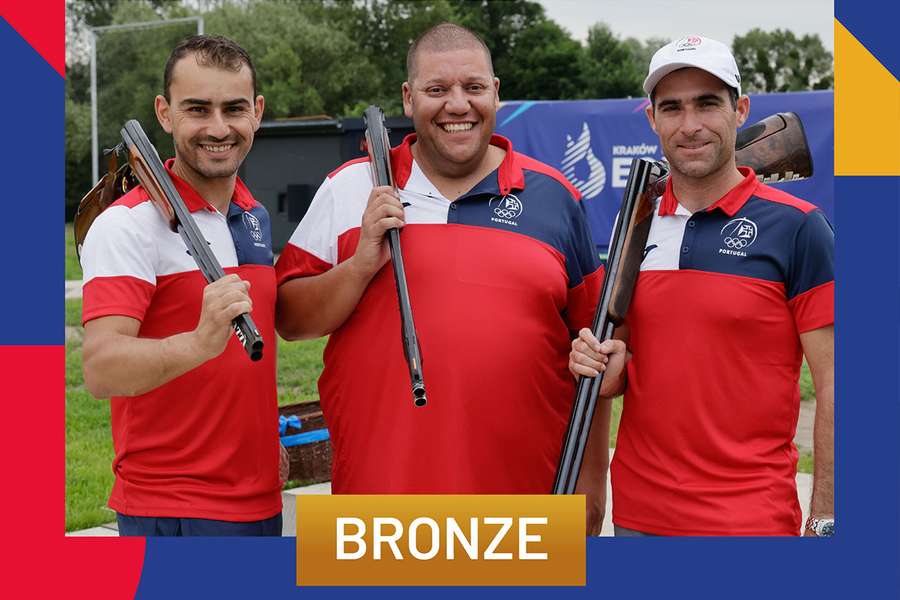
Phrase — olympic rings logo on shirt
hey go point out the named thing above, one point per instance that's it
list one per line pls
(736, 243)
(739, 233)
(253, 225)
(508, 207)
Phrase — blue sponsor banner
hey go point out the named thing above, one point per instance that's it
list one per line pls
(594, 141)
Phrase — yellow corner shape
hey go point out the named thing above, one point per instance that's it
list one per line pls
(866, 111)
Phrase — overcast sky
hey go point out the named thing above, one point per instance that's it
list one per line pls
(718, 19)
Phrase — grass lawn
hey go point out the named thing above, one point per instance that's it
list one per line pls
(299, 366)
(73, 268)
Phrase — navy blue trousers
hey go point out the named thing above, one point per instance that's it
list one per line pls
(174, 526)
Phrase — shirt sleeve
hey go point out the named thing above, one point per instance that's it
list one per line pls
(312, 248)
(118, 261)
(585, 274)
(810, 285)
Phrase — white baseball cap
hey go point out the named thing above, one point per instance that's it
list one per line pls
(694, 51)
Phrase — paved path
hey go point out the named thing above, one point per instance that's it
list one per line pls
(73, 289)
(804, 437)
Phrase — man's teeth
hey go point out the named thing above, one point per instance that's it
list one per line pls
(221, 148)
(457, 127)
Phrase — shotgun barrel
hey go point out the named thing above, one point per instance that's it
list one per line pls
(379, 154)
(152, 175)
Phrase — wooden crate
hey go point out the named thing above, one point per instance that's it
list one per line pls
(310, 463)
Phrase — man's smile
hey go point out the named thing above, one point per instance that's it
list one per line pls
(694, 145)
(456, 127)
(217, 148)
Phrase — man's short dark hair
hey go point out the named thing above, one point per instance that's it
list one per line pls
(444, 37)
(732, 93)
(211, 51)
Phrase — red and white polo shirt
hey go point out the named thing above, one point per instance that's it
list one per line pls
(498, 280)
(711, 406)
(204, 445)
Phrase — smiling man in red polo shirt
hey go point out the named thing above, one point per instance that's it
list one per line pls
(501, 271)
(194, 421)
(736, 287)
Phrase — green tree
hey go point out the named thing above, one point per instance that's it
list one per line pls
(130, 72)
(306, 64)
(125, 55)
(326, 56)
(613, 70)
(545, 64)
(500, 24)
(643, 51)
(78, 153)
(384, 31)
(97, 13)
(533, 56)
(779, 61)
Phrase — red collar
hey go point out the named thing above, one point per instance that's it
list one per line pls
(509, 176)
(730, 203)
(195, 201)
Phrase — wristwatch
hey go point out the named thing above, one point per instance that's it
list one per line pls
(821, 527)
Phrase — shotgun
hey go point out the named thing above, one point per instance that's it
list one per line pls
(379, 147)
(152, 175)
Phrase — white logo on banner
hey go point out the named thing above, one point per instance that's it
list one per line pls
(576, 151)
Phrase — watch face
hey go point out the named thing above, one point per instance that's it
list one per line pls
(821, 527)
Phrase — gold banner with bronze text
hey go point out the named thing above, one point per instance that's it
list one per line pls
(440, 540)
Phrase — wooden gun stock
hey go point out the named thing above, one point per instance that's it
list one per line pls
(113, 185)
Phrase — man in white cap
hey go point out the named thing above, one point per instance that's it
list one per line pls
(736, 287)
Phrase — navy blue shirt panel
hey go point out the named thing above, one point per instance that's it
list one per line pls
(813, 263)
(545, 210)
(252, 234)
(759, 241)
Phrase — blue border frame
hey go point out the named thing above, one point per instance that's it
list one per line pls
(862, 560)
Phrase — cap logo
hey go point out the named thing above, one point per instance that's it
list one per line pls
(688, 43)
